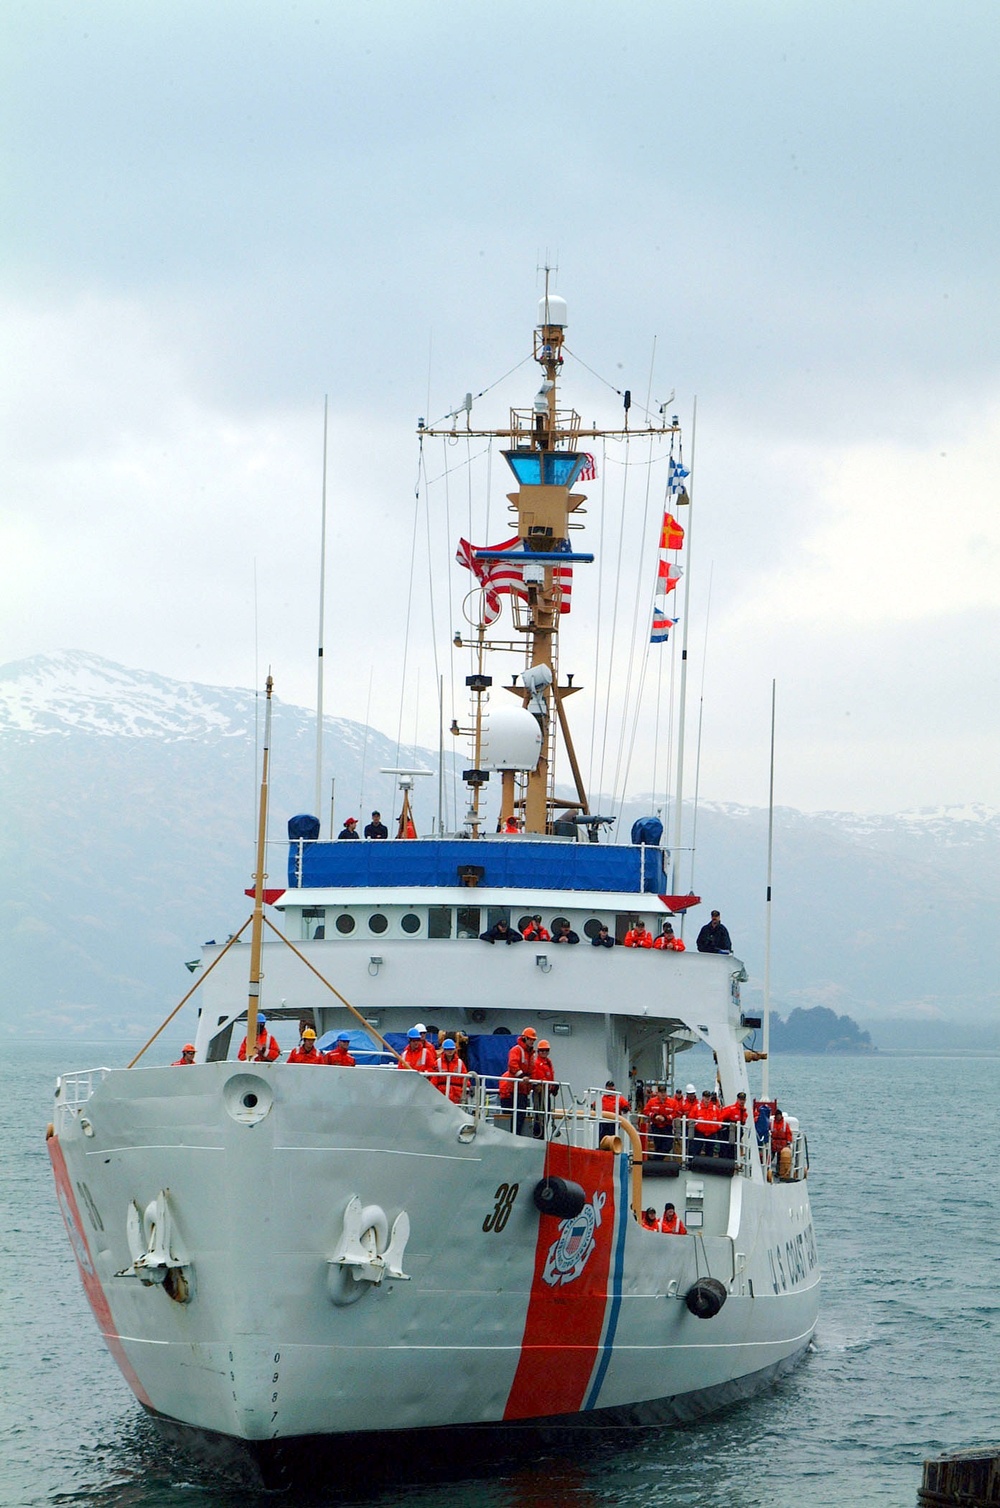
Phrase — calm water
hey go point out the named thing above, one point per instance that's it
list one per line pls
(907, 1357)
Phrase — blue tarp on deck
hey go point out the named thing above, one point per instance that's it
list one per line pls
(516, 863)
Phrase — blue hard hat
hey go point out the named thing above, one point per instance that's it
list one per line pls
(344, 1037)
(448, 1043)
(261, 1019)
(413, 1034)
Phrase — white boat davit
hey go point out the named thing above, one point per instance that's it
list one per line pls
(539, 1221)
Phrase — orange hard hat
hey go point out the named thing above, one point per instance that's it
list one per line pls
(543, 1046)
(188, 1047)
(530, 1033)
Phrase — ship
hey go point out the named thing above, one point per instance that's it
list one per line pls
(274, 1256)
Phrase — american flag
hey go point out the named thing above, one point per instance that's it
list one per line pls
(496, 576)
(589, 472)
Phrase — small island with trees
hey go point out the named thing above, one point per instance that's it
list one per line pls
(818, 1030)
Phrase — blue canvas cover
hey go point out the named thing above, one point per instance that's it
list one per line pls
(364, 1048)
(515, 863)
(487, 1055)
(647, 830)
(303, 826)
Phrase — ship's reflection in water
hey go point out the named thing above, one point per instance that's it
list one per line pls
(670, 1468)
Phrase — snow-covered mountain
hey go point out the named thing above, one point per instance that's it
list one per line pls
(128, 824)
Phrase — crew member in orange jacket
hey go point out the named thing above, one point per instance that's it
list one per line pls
(186, 1057)
(707, 1123)
(781, 1136)
(672, 1224)
(542, 1071)
(543, 1082)
(267, 1048)
(338, 1056)
(736, 1113)
(667, 940)
(733, 1116)
(306, 1050)
(451, 1075)
(415, 1054)
(638, 936)
(533, 931)
(613, 1104)
(430, 1037)
(659, 1110)
(514, 1090)
(648, 1219)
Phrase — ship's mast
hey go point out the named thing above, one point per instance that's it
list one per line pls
(257, 929)
(546, 462)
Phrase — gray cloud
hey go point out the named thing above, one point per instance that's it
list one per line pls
(219, 213)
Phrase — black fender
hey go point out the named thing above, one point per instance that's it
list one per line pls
(559, 1197)
(705, 1298)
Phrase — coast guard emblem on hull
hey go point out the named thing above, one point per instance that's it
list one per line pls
(570, 1251)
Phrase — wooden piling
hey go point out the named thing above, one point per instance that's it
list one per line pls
(962, 1479)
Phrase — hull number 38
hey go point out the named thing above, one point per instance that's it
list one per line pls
(500, 1213)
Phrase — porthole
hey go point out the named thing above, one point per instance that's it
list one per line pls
(410, 922)
(523, 922)
(593, 926)
(557, 922)
(345, 923)
(378, 922)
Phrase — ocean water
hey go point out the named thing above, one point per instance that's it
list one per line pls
(906, 1363)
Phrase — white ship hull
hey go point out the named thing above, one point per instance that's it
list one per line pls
(278, 1340)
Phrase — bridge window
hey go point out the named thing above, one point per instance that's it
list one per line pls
(438, 921)
(468, 921)
(313, 922)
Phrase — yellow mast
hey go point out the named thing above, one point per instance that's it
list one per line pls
(257, 928)
(546, 462)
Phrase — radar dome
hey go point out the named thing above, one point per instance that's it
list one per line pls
(552, 311)
(511, 740)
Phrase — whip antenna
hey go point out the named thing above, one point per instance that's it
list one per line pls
(322, 603)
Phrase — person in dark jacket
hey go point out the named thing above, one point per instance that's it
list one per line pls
(603, 938)
(713, 937)
(349, 829)
(564, 933)
(501, 931)
(376, 828)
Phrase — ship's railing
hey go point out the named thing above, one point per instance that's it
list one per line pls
(552, 1112)
(546, 1111)
(798, 1166)
(73, 1090)
(732, 1145)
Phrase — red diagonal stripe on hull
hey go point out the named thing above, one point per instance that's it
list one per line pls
(88, 1272)
(565, 1319)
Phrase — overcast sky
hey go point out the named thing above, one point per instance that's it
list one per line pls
(216, 214)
